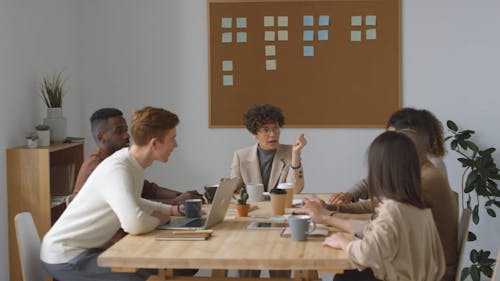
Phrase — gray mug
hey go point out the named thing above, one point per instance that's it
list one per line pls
(192, 208)
(299, 227)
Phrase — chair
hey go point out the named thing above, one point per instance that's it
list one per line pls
(28, 243)
(496, 273)
(463, 231)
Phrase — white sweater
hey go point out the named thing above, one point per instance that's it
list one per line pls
(110, 199)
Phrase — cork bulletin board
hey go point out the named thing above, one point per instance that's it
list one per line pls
(324, 63)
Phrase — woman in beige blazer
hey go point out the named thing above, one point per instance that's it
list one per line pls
(268, 162)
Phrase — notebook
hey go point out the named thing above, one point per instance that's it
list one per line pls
(216, 214)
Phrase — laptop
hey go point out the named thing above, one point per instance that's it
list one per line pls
(216, 214)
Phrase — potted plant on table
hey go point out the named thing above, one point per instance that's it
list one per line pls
(479, 186)
(242, 205)
(52, 93)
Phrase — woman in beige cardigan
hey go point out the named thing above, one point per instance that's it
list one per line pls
(401, 242)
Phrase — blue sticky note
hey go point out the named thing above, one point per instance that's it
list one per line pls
(308, 20)
(308, 35)
(323, 35)
(308, 51)
(324, 21)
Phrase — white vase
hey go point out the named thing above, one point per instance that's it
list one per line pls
(57, 124)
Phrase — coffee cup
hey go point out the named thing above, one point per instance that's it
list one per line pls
(289, 187)
(192, 208)
(299, 227)
(255, 192)
(278, 201)
(210, 192)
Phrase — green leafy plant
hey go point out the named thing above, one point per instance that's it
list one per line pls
(243, 197)
(42, 127)
(52, 90)
(479, 186)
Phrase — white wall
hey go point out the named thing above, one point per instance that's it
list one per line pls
(37, 37)
(129, 54)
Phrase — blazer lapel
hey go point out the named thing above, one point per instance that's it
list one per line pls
(251, 168)
(277, 169)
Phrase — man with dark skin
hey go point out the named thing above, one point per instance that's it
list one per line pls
(110, 132)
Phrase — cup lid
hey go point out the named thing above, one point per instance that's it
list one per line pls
(278, 191)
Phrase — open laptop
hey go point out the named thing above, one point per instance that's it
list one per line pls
(216, 214)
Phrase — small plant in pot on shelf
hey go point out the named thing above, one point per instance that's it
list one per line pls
(52, 90)
(52, 93)
(242, 205)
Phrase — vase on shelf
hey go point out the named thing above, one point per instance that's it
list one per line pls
(57, 123)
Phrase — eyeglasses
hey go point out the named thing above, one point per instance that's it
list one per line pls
(266, 131)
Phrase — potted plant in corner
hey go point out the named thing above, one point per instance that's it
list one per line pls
(52, 93)
(479, 186)
(242, 205)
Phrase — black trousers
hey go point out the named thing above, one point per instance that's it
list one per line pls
(354, 275)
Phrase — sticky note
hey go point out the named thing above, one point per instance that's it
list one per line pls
(226, 22)
(227, 80)
(308, 51)
(227, 65)
(371, 20)
(282, 35)
(355, 35)
(241, 37)
(282, 21)
(270, 50)
(308, 20)
(356, 20)
(269, 36)
(268, 21)
(308, 35)
(371, 34)
(241, 22)
(270, 64)
(324, 21)
(227, 37)
(322, 35)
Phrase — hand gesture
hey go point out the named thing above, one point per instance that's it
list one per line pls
(314, 208)
(340, 197)
(299, 143)
(163, 217)
(192, 194)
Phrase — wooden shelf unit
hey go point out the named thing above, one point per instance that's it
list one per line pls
(34, 176)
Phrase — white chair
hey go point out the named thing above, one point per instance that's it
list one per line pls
(463, 233)
(28, 243)
(496, 273)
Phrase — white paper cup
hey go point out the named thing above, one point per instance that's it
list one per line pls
(255, 192)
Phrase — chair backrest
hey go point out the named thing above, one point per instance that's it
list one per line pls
(28, 243)
(463, 233)
(496, 273)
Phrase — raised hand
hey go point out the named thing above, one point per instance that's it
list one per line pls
(340, 197)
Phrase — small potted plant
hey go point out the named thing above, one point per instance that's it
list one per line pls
(43, 135)
(242, 205)
(52, 93)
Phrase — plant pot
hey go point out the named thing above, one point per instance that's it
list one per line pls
(57, 123)
(43, 137)
(243, 210)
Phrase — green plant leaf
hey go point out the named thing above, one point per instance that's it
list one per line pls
(497, 203)
(453, 144)
(462, 143)
(447, 138)
(474, 273)
(473, 256)
(475, 214)
(486, 270)
(465, 272)
(491, 212)
(488, 151)
(451, 125)
(466, 162)
(471, 236)
(472, 146)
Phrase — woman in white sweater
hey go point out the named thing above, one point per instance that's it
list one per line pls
(110, 200)
(401, 242)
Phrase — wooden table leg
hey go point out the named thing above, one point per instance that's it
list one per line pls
(306, 275)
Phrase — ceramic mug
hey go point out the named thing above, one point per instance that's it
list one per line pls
(299, 227)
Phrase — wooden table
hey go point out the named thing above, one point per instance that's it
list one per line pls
(232, 246)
